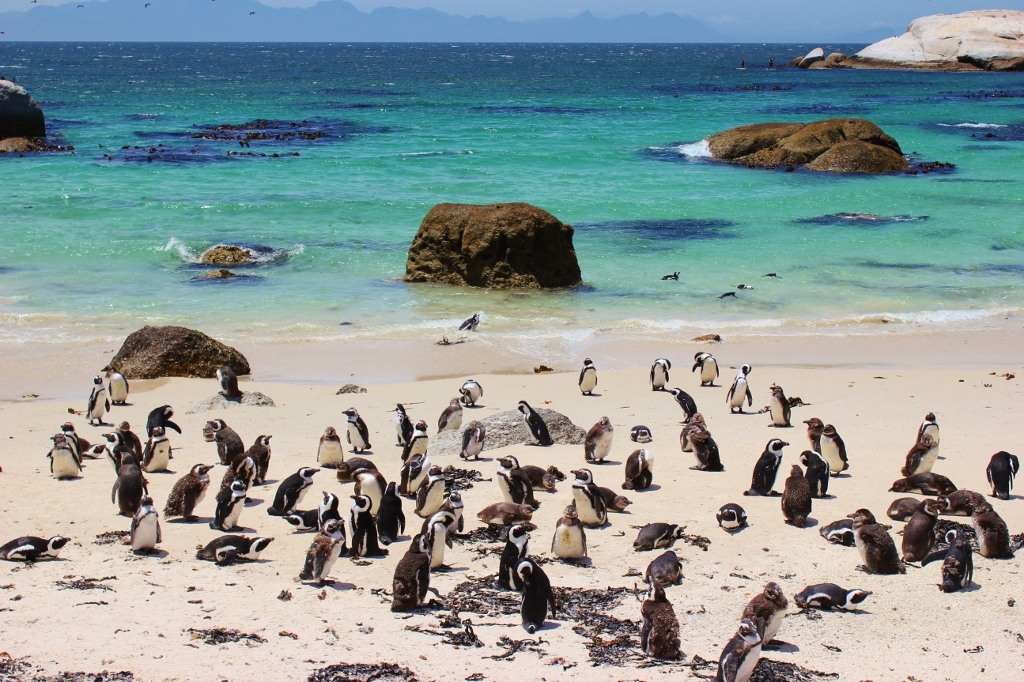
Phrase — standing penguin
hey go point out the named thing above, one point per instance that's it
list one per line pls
(99, 402)
(739, 390)
(833, 449)
(80, 446)
(145, 531)
(471, 392)
(739, 657)
(598, 441)
(362, 528)
(876, 547)
(130, 440)
(766, 469)
(817, 473)
(708, 368)
(588, 377)
(535, 423)
(451, 417)
(157, 454)
(188, 491)
(693, 425)
(129, 487)
(260, 453)
(369, 482)
(515, 550)
(117, 385)
(291, 491)
(228, 381)
(537, 595)
(665, 569)
(686, 403)
(358, 435)
(230, 503)
(705, 449)
(430, 493)
(417, 443)
(390, 517)
(992, 533)
(327, 510)
(639, 470)
(64, 462)
(918, 534)
(766, 611)
(796, 498)
(659, 374)
(659, 630)
(1001, 471)
(570, 540)
(454, 505)
(921, 457)
(330, 452)
(327, 546)
(930, 425)
(473, 440)
(779, 407)
(411, 580)
(229, 444)
(814, 429)
(588, 500)
(514, 483)
(161, 416)
(403, 425)
(413, 472)
(438, 538)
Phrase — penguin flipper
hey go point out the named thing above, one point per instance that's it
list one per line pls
(171, 425)
(750, 398)
(159, 533)
(934, 556)
(401, 520)
(113, 491)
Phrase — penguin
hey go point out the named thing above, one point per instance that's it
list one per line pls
(229, 444)
(129, 487)
(665, 569)
(473, 440)
(350, 466)
(696, 423)
(145, 531)
(471, 323)
(992, 533)
(454, 505)
(363, 529)
(766, 611)
(451, 417)
(161, 416)
(417, 444)
(230, 503)
(327, 546)
(537, 595)
(570, 540)
(839, 532)
(227, 549)
(815, 427)
(731, 517)
(705, 449)
(304, 521)
(674, 277)
(515, 550)
(708, 368)
(685, 402)
(291, 491)
(659, 374)
(117, 385)
(390, 517)
(739, 657)
(779, 407)
(640, 434)
(739, 390)
(902, 508)
(927, 484)
(358, 435)
(98, 451)
(957, 561)
(535, 423)
(430, 493)
(413, 472)
(1001, 471)
(99, 402)
(588, 377)
(930, 425)
(766, 468)
(598, 441)
(817, 473)
(918, 535)
(330, 452)
(411, 580)
(796, 498)
(130, 440)
(959, 502)
(438, 538)
(657, 535)
(876, 547)
(242, 469)
(33, 548)
(590, 505)
(260, 453)
(471, 392)
(921, 457)
(659, 628)
(116, 447)
(639, 470)
(514, 484)
(833, 449)
(828, 596)
(80, 446)
(613, 502)
(327, 510)
(64, 464)
(228, 381)
(157, 453)
(188, 491)
(505, 513)
(403, 426)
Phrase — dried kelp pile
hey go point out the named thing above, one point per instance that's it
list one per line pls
(450, 633)
(70, 582)
(111, 537)
(610, 640)
(514, 646)
(477, 596)
(224, 636)
(943, 526)
(461, 479)
(105, 676)
(1016, 542)
(362, 672)
(490, 533)
(21, 670)
(768, 670)
(696, 541)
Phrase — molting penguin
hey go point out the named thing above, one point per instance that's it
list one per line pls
(228, 381)
(117, 385)
(588, 377)
(145, 531)
(188, 491)
(33, 548)
(471, 392)
(918, 535)
(227, 549)
(657, 535)
(129, 487)
(659, 374)
(357, 434)
(451, 417)
(779, 407)
(766, 469)
(930, 425)
(430, 493)
(766, 611)
(708, 368)
(598, 441)
(927, 484)
(537, 595)
(403, 426)
(921, 457)
(473, 440)
(686, 403)
(739, 657)
(242, 469)
(696, 423)
(64, 464)
(535, 423)
(157, 454)
(829, 596)
(731, 517)
(363, 529)
(665, 569)
(833, 449)
(291, 491)
(705, 449)
(957, 561)
(515, 550)
(390, 517)
(327, 546)
(815, 427)
(796, 498)
(570, 540)
(230, 503)
(639, 470)
(98, 403)
(640, 434)
(417, 443)
(229, 444)
(739, 390)
(411, 580)
(659, 629)
(877, 549)
(817, 473)
(330, 452)
(902, 508)
(589, 504)
(1001, 471)
(161, 416)
(992, 533)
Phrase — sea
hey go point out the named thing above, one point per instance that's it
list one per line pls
(356, 142)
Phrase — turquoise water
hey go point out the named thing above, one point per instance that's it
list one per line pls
(98, 242)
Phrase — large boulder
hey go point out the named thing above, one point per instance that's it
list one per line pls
(20, 116)
(847, 145)
(497, 245)
(508, 428)
(170, 351)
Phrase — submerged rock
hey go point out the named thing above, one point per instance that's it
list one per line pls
(170, 351)
(227, 254)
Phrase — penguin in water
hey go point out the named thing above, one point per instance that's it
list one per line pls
(99, 402)
(1001, 471)
(227, 549)
(739, 390)
(708, 368)
(363, 529)
(588, 377)
(417, 443)
(161, 416)
(358, 435)
(145, 531)
(129, 487)
(64, 463)
(921, 457)
(117, 385)
(796, 498)
(828, 596)
(33, 548)
(471, 392)
(411, 581)
(674, 277)
(515, 550)
(833, 449)
(330, 452)
(473, 440)
(230, 503)
(876, 547)
(731, 517)
(598, 441)
(291, 491)
(639, 470)
(766, 469)
(570, 540)
(589, 503)
(535, 423)
(659, 374)
(779, 408)
(471, 323)
(403, 425)
(957, 561)
(659, 629)
(228, 381)
(188, 491)
(451, 417)
(537, 595)
(327, 546)
(685, 402)
(766, 611)
(157, 454)
(390, 517)
(665, 569)
(739, 657)
(918, 534)
(430, 493)
(817, 473)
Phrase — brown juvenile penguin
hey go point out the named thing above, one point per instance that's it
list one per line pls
(694, 424)
(993, 535)
(918, 535)
(505, 513)
(814, 428)
(639, 470)
(351, 465)
(412, 576)
(659, 633)
(767, 610)
(612, 500)
(598, 441)
(922, 456)
(959, 502)
(260, 453)
(129, 487)
(705, 449)
(188, 491)
(877, 549)
(541, 478)
(927, 483)
(796, 498)
(902, 508)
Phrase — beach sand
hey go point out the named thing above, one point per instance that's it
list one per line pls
(876, 389)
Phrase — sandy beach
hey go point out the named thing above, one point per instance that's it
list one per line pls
(143, 613)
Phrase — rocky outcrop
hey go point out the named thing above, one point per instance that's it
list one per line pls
(227, 254)
(154, 352)
(20, 116)
(507, 428)
(497, 245)
(844, 145)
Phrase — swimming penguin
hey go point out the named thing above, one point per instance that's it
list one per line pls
(291, 491)
(145, 531)
(921, 457)
(363, 529)
(327, 546)
(957, 561)
(708, 368)
(473, 440)
(515, 550)
(766, 469)
(99, 402)
(471, 323)
(535, 423)
(930, 425)
(657, 535)
(705, 449)
(779, 407)
(640, 434)
(347, 469)
(188, 491)
(839, 532)
(665, 569)
(817, 473)
(598, 441)
(411, 580)
(33, 548)
(1001, 471)
(161, 416)
(731, 517)
(304, 521)
(129, 487)
(829, 596)
(358, 435)
(403, 425)
(992, 533)
(414, 471)
(833, 449)
(390, 517)
(570, 540)
(228, 381)
(471, 392)
(417, 443)
(64, 464)
(590, 504)
(659, 374)
(260, 453)
(588, 377)
(928, 483)
(229, 444)
(230, 503)
(876, 547)
(696, 423)
(430, 493)
(815, 427)
(505, 513)
(659, 628)
(686, 403)
(918, 535)
(739, 390)
(513, 482)
(639, 470)
(327, 509)
(537, 595)
(117, 385)
(227, 549)
(673, 277)
(330, 452)
(451, 417)
(739, 657)
(438, 538)
(157, 454)
(766, 611)
(796, 498)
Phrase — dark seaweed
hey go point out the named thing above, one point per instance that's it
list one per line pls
(224, 636)
(461, 479)
(768, 670)
(362, 672)
(70, 582)
(464, 637)
(111, 537)
(696, 541)
(943, 526)
(859, 219)
(514, 646)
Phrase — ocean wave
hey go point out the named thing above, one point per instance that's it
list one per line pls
(259, 254)
(695, 150)
(972, 125)
(457, 152)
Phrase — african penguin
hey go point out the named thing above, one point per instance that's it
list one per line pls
(657, 535)
(817, 473)
(330, 452)
(598, 441)
(921, 457)
(230, 503)
(708, 368)
(430, 493)
(188, 491)
(129, 487)
(739, 657)
(229, 444)
(130, 440)
(260, 453)
(930, 425)
(541, 478)
(779, 407)
(451, 417)
(659, 628)
(686, 403)
(161, 416)
(471, 392)
(739, 390)
(829, 596)
(371, 483)
(473, 440)
(876, 547)
(304, 521)
(411, 580)
(64, 464)
(918, 535)
(796, 498)
(327, 510)
(438, 538)
(766, 611)
(833, 449)
(640, 434)
(588, 377)
(705, 449)
(347, 469)
(471, 323)
(659, 374)
(570, 540)
(928, 483)
(665, 569)
(227, 549)
(766, 468)
(535, 423)
(839, 532)
(513, 482)
(515, 550)
(98, 403)
(590, 504)
(1001, 470)
(145, 531)
(228, 381)
(505, 513)
(731, 517)
(33, 548)
(390, 517)
(537, 595)
(117, 385)
(358, 435)
(403, 425)
(957, 561)
(814, 429)
(417, 443)
(327, 546)
(157, 454)
(291, 491)
(363, 529)
(696, 423)
(639, 470)
(992, 533)
(413, 472)
(902, 508)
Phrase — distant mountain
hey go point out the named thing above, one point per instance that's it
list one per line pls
(328, 21)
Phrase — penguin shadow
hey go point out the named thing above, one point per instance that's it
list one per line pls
(780, 646)
(112, 405)
(811, 522)
(445, 568)
(336, 585)
(151, 554)
(548, 625)
(780, 426)
(613, 462)
(253, 501)
(206, 520)
(595, 394)
(651, 488)
(583, 562)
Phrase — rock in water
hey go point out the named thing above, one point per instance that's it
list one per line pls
(170, 351)
(227, 254)
(20, 116)
(502, 246)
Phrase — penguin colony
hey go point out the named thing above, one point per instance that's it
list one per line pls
(376, 516)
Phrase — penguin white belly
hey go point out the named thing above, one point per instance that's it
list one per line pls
(589, 382)
(568, 543)
(298, 498)
(232, 518)
(64, 465)
(414, 484)
(454, 422)
(584, 509)
(928, 461)
(771, 628)
(373, 491)
(145, 535)
(437, 549)
(435, 498)
(331, 558)
(161, 457)
(474, 448)
(602, 447)
(506, 491)
(746, 668)
(356, 438)
(708, 371)
(331, 454)
(861, 547)
(419, 447)
(660, 380)
(777, 413)
(830, 453)
(739, 394)
(99, 409)
(118, 390)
